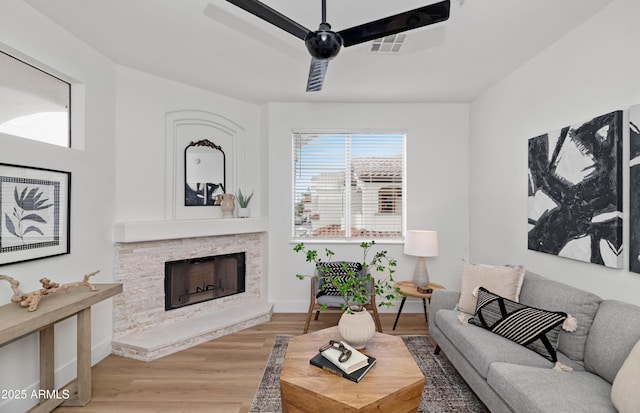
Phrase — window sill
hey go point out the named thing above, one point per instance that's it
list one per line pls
(346, 241)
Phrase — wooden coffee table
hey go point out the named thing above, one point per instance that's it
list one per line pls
(394, 383)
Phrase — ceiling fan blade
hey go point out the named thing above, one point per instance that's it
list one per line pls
(317, 72)
(409, 20)
(269, 15)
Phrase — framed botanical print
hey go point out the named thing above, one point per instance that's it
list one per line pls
(34, 213)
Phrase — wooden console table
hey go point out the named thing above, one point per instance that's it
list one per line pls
(17, 322)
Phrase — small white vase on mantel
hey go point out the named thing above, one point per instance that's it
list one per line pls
(357, 328)
(244, 212)
(227, 205)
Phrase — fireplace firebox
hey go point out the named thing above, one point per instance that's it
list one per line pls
(196, 280)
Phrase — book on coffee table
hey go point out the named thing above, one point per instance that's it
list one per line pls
(355, 361)
(320, 361)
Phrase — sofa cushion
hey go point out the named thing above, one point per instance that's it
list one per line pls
(541, 292)
(505, 281)
(531, 327)
(615, 330)
(624, 390)
(481, 347)
(538, 390)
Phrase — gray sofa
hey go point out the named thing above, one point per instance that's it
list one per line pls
(508, 377)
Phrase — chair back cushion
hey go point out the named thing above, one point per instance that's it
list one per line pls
(332, 269)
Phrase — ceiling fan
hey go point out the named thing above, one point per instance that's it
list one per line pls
(324, 44)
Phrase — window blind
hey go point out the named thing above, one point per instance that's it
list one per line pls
(348, 185)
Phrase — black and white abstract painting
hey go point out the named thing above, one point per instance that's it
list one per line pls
(575, 195)
(634, 189)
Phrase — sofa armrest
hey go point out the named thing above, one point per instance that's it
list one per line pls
(442, 299)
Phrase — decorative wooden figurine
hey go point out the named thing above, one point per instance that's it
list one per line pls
(33, 298)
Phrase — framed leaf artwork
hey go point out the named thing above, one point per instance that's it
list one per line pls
(34, 213)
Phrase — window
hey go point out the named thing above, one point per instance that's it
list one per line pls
(348, 185)
(390, 200)
(33, 103)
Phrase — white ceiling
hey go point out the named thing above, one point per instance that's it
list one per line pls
(215, 46)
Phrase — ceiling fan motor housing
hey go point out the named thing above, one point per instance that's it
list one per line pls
(323, 43)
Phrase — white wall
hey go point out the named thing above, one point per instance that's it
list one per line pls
(592, 71)
(142, 102)
(437, 186)
(92, 195)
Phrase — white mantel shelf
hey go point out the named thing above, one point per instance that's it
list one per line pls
(126, 232)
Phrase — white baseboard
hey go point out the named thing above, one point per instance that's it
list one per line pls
(410, 306)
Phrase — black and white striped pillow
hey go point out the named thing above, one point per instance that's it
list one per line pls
(531, 327)
(340, 269)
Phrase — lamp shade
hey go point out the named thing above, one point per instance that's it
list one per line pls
(421, 243)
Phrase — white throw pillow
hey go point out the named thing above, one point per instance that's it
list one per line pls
(500, 280)
(624, 390)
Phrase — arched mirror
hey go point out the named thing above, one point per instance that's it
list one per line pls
(204, 173)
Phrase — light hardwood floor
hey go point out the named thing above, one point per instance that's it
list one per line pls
(219, 376)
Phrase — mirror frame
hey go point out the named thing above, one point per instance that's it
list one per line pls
(207, 144)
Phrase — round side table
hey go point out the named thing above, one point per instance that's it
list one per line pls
(409, 289)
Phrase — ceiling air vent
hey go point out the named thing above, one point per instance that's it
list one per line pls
(388, 44)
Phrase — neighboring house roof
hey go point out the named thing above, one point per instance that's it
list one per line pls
(335, 230)
(377, 168)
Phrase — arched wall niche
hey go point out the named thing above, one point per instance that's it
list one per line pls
(186, 126)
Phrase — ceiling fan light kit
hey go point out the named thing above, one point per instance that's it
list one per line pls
(325, 44)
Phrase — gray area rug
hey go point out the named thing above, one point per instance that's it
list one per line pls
(444, 392)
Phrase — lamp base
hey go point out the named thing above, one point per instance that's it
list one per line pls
(420, 274)
(425, 290)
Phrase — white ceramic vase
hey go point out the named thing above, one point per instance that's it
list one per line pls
(357, 328)
(227, 205)
(244, 212)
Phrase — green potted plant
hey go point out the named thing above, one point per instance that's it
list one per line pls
(352, 287)
(243, 202)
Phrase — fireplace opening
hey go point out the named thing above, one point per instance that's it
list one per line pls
(196, 280)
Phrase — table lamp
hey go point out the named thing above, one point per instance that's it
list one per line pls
(421, 244)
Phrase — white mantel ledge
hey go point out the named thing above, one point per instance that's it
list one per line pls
(141, 231)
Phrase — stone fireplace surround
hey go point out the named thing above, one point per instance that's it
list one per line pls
(142, 329)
